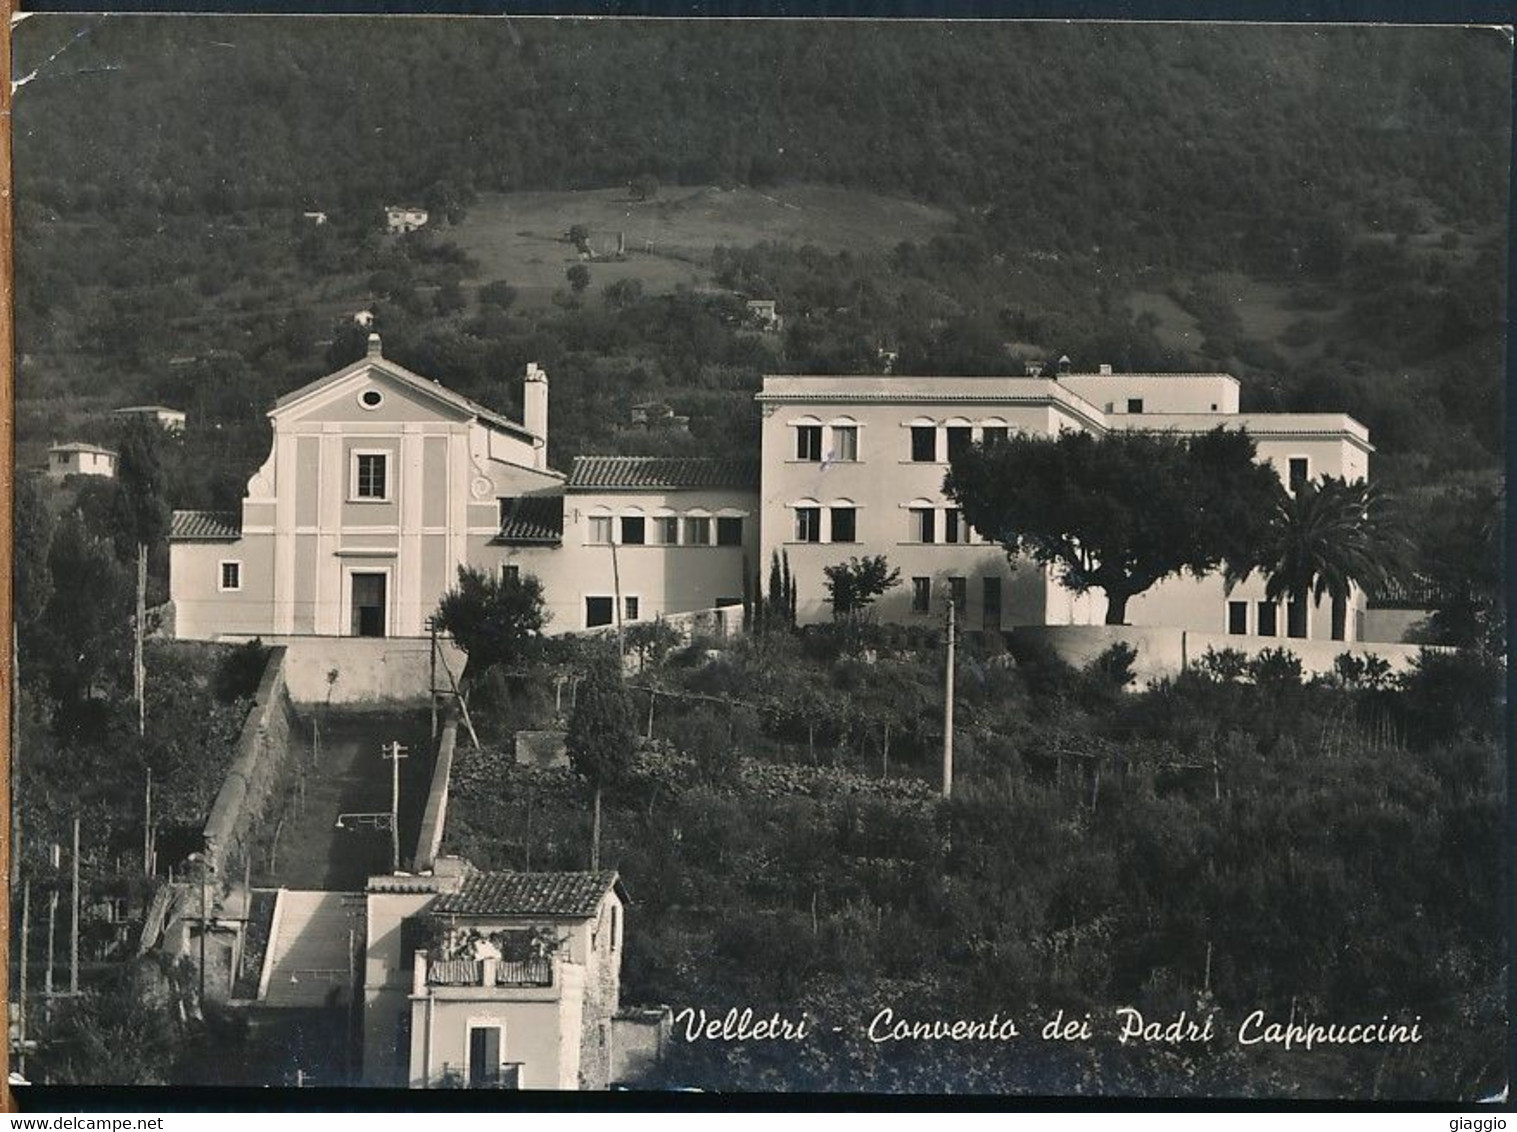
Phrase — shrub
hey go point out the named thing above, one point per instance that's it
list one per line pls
(1275, 668)
(1227, 666)
(1113, 667)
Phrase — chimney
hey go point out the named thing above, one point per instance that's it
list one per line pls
(1105, 369)
(534, 400)
(1065, 365)
(374, 346)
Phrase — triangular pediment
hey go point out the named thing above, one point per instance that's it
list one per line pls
(373, 390)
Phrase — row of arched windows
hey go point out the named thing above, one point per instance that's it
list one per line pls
(665, 526)
(838, 440)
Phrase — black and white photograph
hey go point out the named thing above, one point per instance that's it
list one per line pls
(935, 557)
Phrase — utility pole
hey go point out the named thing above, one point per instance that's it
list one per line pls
(432, 674)
(138, 673)
(26, 940)
(52, 923)
(73, 928)
(394, 752)
(204, 876)
(948, 706)
(147, 825)
(616, 585)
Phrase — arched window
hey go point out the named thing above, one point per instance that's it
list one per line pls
(994, 430)
(924, 440)
(633, 527)
(697, 527)
(600, 521)
(808, 520)
(960, 435)
(808, 439)
(844, 446)
(665, 526)
(843, 521)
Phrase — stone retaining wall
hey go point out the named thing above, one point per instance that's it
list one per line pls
(261, 762)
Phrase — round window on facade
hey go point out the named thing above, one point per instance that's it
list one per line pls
(371, 398)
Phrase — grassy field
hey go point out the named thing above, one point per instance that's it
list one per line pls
(1177, 328)
(519, 236)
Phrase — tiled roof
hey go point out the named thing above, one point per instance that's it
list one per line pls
(532, 519)
(81, 446)
(528, 894)
(655, 472)
(207, 525)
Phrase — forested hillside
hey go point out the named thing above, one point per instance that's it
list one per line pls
(1319, 210)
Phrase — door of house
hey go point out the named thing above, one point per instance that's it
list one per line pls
(484, 1056)
(368, 605)
(991, 606)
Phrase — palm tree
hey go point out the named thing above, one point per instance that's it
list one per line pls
(1325, 538)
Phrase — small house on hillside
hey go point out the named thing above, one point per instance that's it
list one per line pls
(170, 420)
(80, 459)
(404, 218)
(766, 313)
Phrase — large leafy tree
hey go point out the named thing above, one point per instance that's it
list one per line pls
(600, 741)
(852, 586)
(1464, 559)
(492, 618)
(1120, 512)
(1325, 538)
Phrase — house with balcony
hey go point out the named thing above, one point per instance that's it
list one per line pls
(854, 465)
(504, 980)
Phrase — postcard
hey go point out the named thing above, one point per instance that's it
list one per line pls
(814, 556)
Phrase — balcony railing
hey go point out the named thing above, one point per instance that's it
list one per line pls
(507, 1075)
(490, 972)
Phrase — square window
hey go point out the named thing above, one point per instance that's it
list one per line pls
(600, 528)
(958, 590)
(1269, 624)
(370, 480)
(729, 532)
(959, 439)
(1295, 619)
(924, 444)
(1300, 471)
(845, 524)
(698, 531)
(1237, 618)
(1135, 404)
(924, 524)
(921, 595)
(808, 524)
(808, 442)
(599, 611)
(630, 606)
(845, 443)
(230, 577)
(666, 527)
(634, 530)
